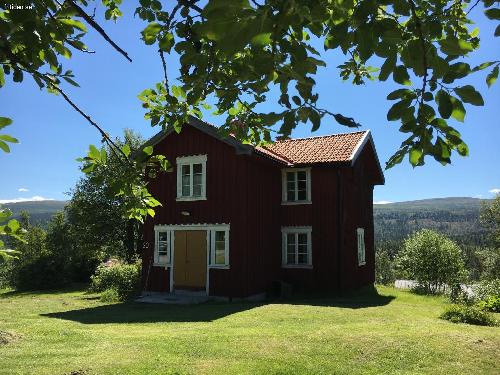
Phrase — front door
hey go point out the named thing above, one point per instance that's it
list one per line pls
(190, 259)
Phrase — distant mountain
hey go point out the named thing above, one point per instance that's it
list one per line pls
(458, 218)
(40, 211)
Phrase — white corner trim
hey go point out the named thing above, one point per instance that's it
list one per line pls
(359, 147)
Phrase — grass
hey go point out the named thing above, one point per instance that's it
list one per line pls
(394, 332)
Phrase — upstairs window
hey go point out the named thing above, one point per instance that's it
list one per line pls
(191, 177)
(361, 246)
(296, 186)
(296, 247)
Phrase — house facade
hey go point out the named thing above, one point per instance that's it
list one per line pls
(237, 219)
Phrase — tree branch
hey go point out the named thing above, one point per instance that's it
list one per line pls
(98, 28)
(418, 24)
(164, 70)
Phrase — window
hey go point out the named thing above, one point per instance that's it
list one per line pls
(296, 186)
(219, 248)
(191, 177)
(296, 247)
(162, 253)
(361, 246)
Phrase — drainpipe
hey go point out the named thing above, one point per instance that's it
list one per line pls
(340, 209)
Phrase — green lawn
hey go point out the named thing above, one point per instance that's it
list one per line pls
(395, 332)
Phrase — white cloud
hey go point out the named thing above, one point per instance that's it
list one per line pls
(494, 191)
(382, 202)
(36, 198)
(22, 189)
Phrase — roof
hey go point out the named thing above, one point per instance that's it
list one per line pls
(325, 149)
(335, 148)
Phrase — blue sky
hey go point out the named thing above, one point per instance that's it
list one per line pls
(52, 135)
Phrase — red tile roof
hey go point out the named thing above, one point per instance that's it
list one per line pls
(329, 148)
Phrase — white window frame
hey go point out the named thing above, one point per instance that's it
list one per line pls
(190, 160)
(284, 195)
(211, 248)
(296, 230)
(360, 239)
(170, 241)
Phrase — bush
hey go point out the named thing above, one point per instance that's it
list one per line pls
(492, 303)
(123, 278)
(46, 272)
(487, 288)
(468, 314)
(110, 295)
(432, 260)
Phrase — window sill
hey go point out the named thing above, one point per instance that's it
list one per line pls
(294, 203)
(190, 199)
(361, 264)
(218, 267)
(298, 266)
(166, 265)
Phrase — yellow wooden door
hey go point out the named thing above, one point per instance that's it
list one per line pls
(190, 259)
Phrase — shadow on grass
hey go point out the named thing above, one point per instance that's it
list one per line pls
(132, 312)
(75, 287)
(359, 299)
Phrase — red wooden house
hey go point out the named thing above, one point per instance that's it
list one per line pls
(236, 219)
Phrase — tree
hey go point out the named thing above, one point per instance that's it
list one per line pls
(432, 260)
(234, 53)
(490, 219)
(97, 216)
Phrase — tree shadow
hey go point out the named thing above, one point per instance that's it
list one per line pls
(133, 312)
(358, 299)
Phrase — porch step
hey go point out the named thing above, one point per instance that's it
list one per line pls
(191, 293)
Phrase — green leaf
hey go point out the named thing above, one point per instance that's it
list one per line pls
(398, 109)
(401, 93)
(493, 13)
(70, 81)
(463, 149)
(5, 121)
(468, 94)
(150, 33)
(455, 47)
(387, 67)
(492, 77)
(4, 146)
(2, 77)
(74, 23)
(458, 112)
(13, 225)
(346, 121)
(126, 150)
(415, 156)
(8, 138)
(262, 39)
(94, 153)
(148, 150)
(497, 31)
(444, 104)
(400, 75)
(166, 42)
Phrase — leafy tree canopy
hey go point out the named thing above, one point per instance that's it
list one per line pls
(234, 53)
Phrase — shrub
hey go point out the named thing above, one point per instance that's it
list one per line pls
(110, 295)
(492, 303)
(46, 272)
(468, 314)
(487, 288)
(123, 278)
(384, 268)
(432, 260)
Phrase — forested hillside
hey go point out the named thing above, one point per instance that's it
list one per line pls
(40, 211)
(458, 218)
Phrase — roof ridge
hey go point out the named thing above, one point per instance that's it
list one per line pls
(320, 136)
